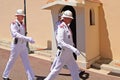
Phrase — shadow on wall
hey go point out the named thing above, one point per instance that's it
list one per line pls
(105, 47)
(49, 45)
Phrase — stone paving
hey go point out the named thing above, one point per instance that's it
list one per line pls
(41, 69)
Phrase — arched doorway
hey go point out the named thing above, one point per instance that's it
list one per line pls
(72, 25)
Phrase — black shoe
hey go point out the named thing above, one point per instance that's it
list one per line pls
(81, 73)
(7, 79)
(84, 75)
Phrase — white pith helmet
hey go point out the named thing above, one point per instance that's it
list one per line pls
(20, 12)
(67, 14)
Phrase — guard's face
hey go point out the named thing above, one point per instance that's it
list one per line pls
(20, 17)
(67, 20)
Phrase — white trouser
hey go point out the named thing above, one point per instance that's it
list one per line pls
(65, 58)
(16, 50)
(55, 60)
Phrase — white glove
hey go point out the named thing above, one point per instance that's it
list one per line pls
(76, 51)
(32, 41)
(29, 39)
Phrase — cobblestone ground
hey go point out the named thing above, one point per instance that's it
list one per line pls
(41, 69)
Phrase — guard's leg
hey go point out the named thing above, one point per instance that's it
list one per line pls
(74, 71)
(12, 59)
(53, 64)
(55, 71)
(80, 72)
(26, 63)
(54, 61)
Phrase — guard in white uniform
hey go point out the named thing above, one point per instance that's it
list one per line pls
(18, 46)
(65, 49)
(55, 33)
(60, 19)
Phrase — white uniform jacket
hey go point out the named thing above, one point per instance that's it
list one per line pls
(64, 37)
(18, 31)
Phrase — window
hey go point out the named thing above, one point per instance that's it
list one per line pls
(92, 17)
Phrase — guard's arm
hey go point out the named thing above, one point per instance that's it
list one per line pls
(15, 33)
(61, 42)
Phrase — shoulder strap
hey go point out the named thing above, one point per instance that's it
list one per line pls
(24, 27)
(18, 24)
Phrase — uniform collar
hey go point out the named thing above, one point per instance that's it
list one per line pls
(63, 23)
(67, 25)
(18, 22)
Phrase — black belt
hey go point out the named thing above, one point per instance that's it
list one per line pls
(15, 40)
